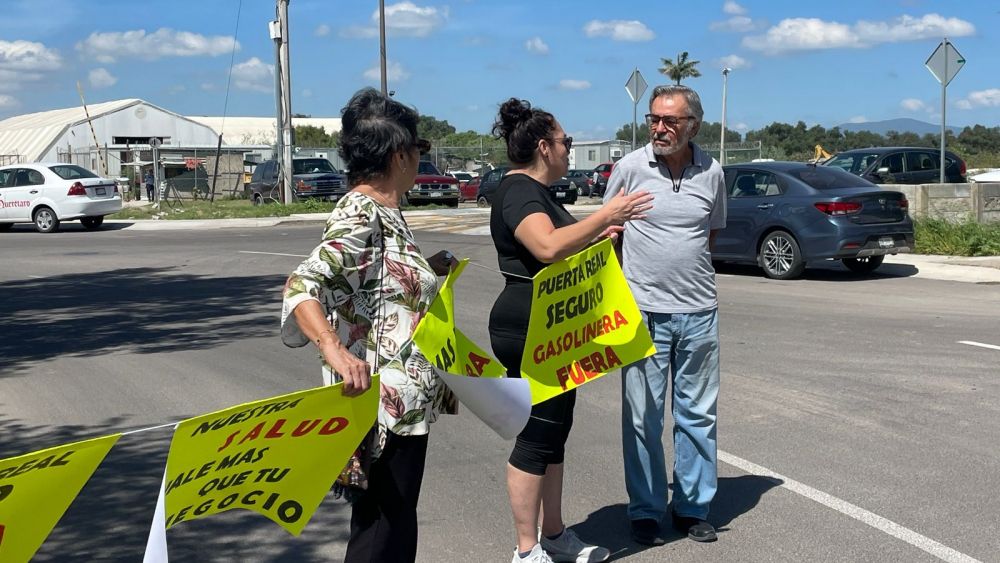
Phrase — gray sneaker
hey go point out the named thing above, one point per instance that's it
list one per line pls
(568, 547)
(537, 555)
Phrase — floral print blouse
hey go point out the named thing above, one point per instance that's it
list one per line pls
(347, 275)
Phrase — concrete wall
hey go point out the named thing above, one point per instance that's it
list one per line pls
(953, 202)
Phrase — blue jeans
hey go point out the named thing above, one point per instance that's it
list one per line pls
(687, 347)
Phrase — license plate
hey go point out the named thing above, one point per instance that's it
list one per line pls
(101, 191)
(332, 197)
(886, 242)
(435, 194)
(560, 194)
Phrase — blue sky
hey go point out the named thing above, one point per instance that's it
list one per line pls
(824, 63)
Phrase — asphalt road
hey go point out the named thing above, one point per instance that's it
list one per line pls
(853, 424)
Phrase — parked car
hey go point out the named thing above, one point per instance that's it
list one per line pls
(901, 165)
(782, 215)
(469, 190)
(561, 190)
(49, 193)
(600, 176)
(430, 186)
(580, 181)
(312, 178)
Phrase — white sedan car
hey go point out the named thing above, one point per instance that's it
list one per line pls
(48, 193)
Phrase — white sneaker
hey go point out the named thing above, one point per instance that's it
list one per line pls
(569, 547)
(537, 555)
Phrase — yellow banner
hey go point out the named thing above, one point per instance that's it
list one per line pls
(444, 345)
(584, 323)
(37, 488)
(278, 457)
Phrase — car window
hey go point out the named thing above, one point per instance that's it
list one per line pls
(855, 163)
(425, 167)
(749, 183)
(72, 172)
(894, 162)
(28, 177)
(5, 175)
(312, 166)
(827, 178)
(917, 161)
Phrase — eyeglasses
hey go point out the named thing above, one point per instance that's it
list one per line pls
(668, 121)
(566, 142)
(423, 145)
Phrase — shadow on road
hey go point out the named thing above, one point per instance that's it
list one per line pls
(609, 526)
(142, 310)
(822, 271)
(110, 519)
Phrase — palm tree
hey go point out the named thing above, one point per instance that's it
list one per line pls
(683, 68)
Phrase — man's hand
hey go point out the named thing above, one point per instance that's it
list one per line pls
(443, 263)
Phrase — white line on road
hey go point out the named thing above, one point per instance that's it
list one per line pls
(915, 539)
(273, 254)
(980, 344)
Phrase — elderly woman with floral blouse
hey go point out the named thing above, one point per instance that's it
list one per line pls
(358, 298)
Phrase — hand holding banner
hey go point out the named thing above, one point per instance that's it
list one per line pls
(584, 323)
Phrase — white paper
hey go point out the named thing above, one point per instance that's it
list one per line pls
(156, 545)
(503, 403)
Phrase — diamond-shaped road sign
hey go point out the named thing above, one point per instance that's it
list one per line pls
(636, 86)
(945, 62)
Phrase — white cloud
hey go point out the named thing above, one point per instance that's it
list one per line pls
(252, 74)
(11, 80)
(28, 55)
(858, 119)
(912, 104)
(536, 45)
(7, 102)
(733, 9)
(734, 62)
(981, 99)
(207, 86)
(307, 93)
(619, 30)
(322, 30)
(393, 72)
(735, 24)
(741, 127)
(177, 89)
(101, 78)
(569, 84)
(802, 34)
(403, 19)
(164, 42)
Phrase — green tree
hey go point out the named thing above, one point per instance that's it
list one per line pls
(429, 127)
(312, 136)
(681, 69)
(624, 133)
(709, 134)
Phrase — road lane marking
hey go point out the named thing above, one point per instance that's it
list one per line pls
(274, 254)
(979, 344)
(884, 525)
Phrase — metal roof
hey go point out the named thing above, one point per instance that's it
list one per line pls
(259, 130)
(31, 135)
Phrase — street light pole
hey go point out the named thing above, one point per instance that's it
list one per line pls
(381, 36)
(286, 104)
(722, 135)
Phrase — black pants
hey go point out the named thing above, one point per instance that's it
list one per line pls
(384, 519)
(149, 192)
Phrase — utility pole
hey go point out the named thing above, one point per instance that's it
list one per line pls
(722, 135)
(286, 104)
(381, 37)
(275, 28)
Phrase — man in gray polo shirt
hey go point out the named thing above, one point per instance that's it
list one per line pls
(668, 264)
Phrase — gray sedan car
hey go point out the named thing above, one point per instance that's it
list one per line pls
(782, 215)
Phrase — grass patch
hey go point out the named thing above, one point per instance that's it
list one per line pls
(967, 238)
(234, 209)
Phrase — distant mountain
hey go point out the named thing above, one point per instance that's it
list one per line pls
(901, 125)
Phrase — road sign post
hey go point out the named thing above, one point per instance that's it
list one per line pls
(636, 87)
(944, 63)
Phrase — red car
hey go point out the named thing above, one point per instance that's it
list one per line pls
(468, 190)
(600, 177)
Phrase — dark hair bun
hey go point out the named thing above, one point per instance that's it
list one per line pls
(513, 113)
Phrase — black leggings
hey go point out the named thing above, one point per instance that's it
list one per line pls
(384, 519)
(543, 440)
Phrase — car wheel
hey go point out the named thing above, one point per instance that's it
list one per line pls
(864, 265)
(92, 223)
(258, 199)
(482, 202)
(46, 220)
(780, 257)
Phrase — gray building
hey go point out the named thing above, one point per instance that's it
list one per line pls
(585, 155)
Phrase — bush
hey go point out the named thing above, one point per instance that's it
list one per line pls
(966, 238)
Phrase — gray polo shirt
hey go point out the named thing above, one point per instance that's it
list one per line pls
(665, 256)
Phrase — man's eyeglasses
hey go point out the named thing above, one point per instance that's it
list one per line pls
(668, 121)
(566, 142)
(423, 145)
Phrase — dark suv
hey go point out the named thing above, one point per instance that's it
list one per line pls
(311, 178)
(901, 165)
(561, 190)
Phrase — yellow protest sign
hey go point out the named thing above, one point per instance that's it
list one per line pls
(278, 457)
(37, 488)
(584, 323)
(444, 345)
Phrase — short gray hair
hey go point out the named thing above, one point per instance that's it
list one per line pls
(693, 100)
